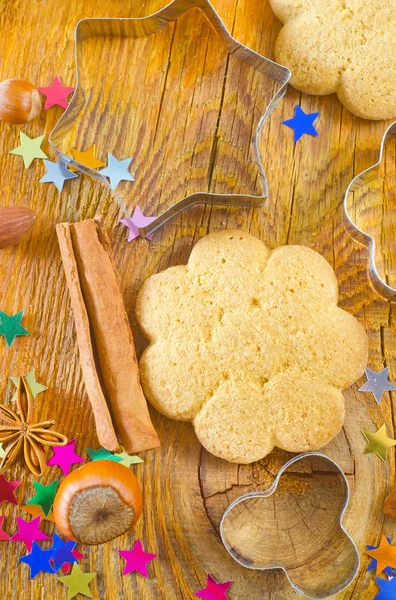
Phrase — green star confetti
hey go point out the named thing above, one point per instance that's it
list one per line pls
(10, 326)
(29, 149)
(128, 459)
(77, 582)
(30, 380)
(102, 454)
(44, 496)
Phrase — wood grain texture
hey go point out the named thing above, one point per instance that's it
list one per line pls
(185, 489)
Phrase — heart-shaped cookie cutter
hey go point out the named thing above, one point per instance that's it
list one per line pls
(143, 28)
(290, 528)
(358, 234)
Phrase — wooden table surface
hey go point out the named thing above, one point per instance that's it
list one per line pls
(185, 489)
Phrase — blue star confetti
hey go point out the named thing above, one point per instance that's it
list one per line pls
(377, 383)
(38, 560)
(62, 552)
(387, 589)
(373, 563)
(302, 123)
(57, 173)
(117, 170)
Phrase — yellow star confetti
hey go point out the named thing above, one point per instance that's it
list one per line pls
(29, 149)
(378, 442)
(88, 157)
(77, 582)
(128, 459)
(30, 379)
(2, 451)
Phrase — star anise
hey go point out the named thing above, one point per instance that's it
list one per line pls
(21, 434)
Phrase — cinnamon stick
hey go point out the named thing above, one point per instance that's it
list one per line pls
(103, 333)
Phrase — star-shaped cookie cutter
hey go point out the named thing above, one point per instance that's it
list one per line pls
(358, 234)
(145, 27)
(287, 529)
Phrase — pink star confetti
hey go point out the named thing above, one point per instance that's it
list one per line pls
(28, 532)
(214, 590)
(137, 559)
(3, 534)
(137, 220)
(56, 94)
(64, 457)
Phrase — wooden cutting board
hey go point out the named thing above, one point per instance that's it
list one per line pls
(185, 489)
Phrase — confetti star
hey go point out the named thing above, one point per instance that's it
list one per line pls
(34, 386)
(64, 457)
(117, 170)
(377, 383)
(44, 496)
(302, 123)
(387, 589)
(29, 149)
(373, 564)
(57, 173)
(7, 489)
(67, 566)
(37, 511)
(63, 552)
(77, 582)
(136, 559)
(214, 590)
(56, 94)
(385, 555)
(128, 459)
(10, 326)
(28, 532)
(137, 220)
(378, 442)
(38, 560)
(3, 534)
(2, 452)
(88, 157)
(102, 454)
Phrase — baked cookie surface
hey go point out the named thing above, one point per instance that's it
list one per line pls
(250, 345)
(342, 46)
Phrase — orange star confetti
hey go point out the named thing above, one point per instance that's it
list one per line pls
(36, 511)
(385, 555)
(88, 157)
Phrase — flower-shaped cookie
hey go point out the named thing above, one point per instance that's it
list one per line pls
(250, 346)
(347, 47)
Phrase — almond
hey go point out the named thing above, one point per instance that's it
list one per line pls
(15, 222)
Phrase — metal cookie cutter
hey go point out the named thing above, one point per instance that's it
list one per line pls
(62, 138)
(358, 234)
(296, 525)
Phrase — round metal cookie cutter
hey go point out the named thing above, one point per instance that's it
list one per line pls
(296, 525)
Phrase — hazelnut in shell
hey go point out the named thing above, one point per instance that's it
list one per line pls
(20, 101)
(97, 502)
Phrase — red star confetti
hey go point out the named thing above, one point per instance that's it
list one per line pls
(28, 532)
(3, 534)
(7, 489)
(136, 559)
(56, 94)
(214, 590)
(64, 457)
